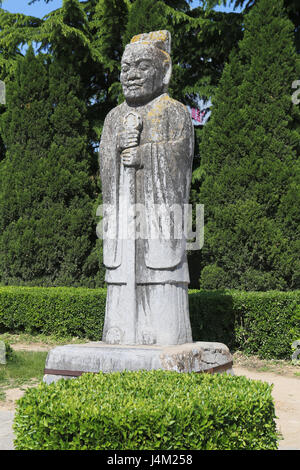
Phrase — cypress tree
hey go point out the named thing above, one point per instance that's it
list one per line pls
(46, 208)
(291, 6)
(249, 162)
(26, 134)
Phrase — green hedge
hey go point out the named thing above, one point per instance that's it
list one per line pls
(267, 323)
(262, 323)
(212, 316)
(147, 410)
(53, 310)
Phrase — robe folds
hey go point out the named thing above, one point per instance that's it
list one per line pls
(162, 185)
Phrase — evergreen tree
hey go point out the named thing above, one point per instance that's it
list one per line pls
(107, 22)
(250, 168)
(95, 32)
(292, 9)
(25, 129)
(198, 56)
(46, 221)
(86, 40)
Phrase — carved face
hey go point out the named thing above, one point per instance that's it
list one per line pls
(142, 74)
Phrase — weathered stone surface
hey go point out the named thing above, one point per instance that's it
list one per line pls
(2, 353)
(146, 154)
(99, 356)
(6, 429)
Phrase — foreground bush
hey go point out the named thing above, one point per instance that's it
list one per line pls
(147, 410)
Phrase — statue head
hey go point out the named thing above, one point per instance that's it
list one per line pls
(146, 67)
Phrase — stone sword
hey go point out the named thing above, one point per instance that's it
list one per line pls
(132, 121)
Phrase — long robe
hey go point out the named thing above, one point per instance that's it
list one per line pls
(161, 181)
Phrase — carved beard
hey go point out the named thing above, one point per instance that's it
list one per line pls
(139, 94)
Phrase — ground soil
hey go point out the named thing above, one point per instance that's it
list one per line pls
(284, 376)
(286, 394)
(31, 347)
(13, 394)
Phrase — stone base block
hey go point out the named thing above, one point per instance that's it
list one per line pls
(73, 360)
(2, 353)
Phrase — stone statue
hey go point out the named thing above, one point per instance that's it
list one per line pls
(146, 154)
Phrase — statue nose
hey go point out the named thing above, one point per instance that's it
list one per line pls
(133, 73)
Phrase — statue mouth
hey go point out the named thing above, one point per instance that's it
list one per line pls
(133, 86)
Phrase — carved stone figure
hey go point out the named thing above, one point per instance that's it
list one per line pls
(146, 154)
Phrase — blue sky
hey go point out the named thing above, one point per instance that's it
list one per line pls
(40, 8)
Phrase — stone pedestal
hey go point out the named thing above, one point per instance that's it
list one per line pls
(2, 353)
(73, 360)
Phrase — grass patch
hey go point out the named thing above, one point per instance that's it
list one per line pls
(51, 340)
(275, 366)
(23, 367)
(264, 369)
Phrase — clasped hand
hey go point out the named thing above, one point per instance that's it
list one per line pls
(128, 146)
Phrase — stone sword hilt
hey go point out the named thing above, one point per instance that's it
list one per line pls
(133, 121)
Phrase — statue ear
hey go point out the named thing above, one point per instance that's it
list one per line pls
(168, 73)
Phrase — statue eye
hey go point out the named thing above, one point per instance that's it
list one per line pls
(144, 66)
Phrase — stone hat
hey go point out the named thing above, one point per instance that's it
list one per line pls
(160, 39)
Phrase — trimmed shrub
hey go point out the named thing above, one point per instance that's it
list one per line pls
(213, 277)
(212, 316)
(53, 310)
(147, 410)
(266, 323)
(9, 352)
(261, 323)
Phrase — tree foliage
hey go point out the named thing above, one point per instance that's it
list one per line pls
(291, 6)
(248, 177)
(52, 125)
(250, 170)
(46, 194)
